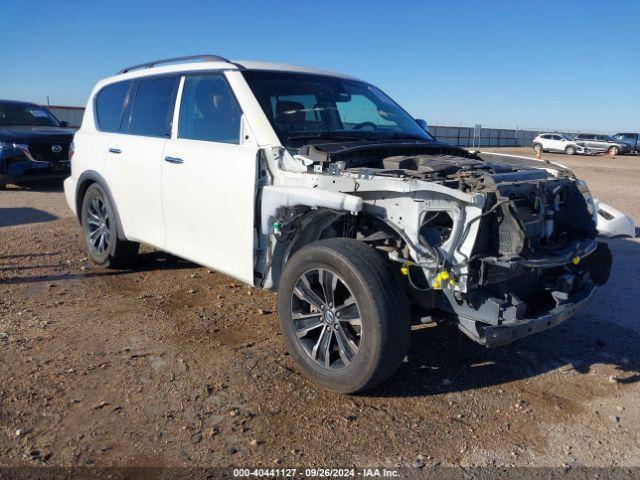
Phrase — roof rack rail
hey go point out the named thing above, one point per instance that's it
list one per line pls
(204, 58)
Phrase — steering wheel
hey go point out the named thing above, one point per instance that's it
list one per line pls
(365, 124)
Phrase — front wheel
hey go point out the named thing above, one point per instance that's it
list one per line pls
(570, 150)
(537, 148)
(614, 151)
(100, 233)
(343, 315)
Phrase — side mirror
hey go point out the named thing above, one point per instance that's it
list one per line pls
(64, 124)
(422, 123)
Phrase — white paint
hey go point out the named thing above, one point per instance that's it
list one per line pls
(619, 225)
(274, 198)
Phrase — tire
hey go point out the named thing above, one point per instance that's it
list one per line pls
(99, 227)
(614, 150)
(537, 147)
(570, 150)
(362, 355)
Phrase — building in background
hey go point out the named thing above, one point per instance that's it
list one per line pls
(71, 115)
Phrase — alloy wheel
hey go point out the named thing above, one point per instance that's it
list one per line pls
(97, 225)
(326, 318)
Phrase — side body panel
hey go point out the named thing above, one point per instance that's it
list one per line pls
(208, 196)
(134, 177)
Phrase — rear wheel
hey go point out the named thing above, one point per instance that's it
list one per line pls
(570, 150)
(614, 150)
(100, 233)
(343, 315)
(537, 148)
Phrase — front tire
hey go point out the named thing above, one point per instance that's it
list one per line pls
(100, 233)
(614, 150)
(343, 315)
(570, 150)
(537, 148)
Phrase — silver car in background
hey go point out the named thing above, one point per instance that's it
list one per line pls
(597, 142)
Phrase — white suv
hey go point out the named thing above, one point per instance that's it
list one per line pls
(321, 187)
(558, 142)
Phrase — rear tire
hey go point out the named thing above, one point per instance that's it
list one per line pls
(100, 233)
(537, 148)
(354, 331)
(614, 150)
(570, 150)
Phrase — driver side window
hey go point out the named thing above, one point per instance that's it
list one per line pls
(209, 110)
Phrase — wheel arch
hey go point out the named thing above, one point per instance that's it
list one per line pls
(321, 224)
(87, 179)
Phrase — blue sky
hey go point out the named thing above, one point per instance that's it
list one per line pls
(543, 64)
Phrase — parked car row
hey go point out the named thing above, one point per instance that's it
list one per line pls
(585, 143)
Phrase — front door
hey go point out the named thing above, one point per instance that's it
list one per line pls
(208, 180)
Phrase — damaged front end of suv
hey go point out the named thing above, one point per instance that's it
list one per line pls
(365, 223)
(502, 248)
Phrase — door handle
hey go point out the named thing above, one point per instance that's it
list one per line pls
(115, 150)
(175, 160)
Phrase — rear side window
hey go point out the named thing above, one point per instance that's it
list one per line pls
(152, 109)
(209, 110)
(109, 104)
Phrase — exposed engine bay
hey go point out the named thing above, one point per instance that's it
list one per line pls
(502, 246)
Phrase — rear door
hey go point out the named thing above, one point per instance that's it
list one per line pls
(134, 165)
(208, 179)
(545, 140)
(92, 148)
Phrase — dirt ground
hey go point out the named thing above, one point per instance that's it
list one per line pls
(171, 364)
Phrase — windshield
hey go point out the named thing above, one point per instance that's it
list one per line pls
(25, 114)
(301, 107)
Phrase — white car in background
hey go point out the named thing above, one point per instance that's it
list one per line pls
(558, 142)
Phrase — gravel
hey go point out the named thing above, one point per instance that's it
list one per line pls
(201, 376)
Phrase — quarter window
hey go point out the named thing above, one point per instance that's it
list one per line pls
(152, 110)
(109, 106)
(209, 110)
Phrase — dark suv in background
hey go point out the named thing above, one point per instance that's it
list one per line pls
(632, 140)
(34, 144)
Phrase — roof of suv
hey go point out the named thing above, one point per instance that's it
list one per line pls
(213, 62)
